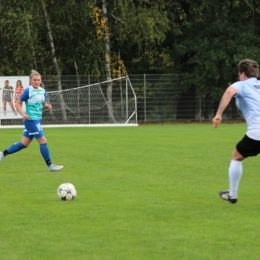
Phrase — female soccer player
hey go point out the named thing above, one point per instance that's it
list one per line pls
(35, 99)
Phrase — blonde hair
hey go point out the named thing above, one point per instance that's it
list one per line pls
(34, 73)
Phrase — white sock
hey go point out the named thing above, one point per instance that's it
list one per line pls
(235, 173)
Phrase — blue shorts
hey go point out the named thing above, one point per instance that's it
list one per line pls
(32, 128)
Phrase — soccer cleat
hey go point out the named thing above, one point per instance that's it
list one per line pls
(1, 156)
(55, 168)
(225, 196)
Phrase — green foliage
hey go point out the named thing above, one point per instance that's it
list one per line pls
(202, 39)
(75, 37)
(217, 36)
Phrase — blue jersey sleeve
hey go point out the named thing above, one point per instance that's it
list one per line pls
(25, 95)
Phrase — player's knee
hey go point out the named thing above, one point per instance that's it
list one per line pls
(236, 156)
(25, 143)
(42, 140)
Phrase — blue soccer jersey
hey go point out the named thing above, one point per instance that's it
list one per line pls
(248, 102)
(34, 100)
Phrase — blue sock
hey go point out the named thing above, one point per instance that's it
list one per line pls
(16, 147)
(45, 153)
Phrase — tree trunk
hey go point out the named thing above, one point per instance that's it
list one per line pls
(121, 88)
(78, 83)
(64, 115)
(108, 63)
(30, 35)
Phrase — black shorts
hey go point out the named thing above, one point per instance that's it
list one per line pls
(248, 147)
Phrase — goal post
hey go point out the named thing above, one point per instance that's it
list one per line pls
(87, 106)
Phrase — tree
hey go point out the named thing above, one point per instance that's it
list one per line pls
(16, 43)
(54, 59)
(139, 29)
(213, 40)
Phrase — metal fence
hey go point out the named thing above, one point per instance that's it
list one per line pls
(160, 98)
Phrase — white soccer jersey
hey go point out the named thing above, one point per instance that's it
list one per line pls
(248, 102)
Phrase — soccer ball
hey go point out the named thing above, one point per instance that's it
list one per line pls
(66, 191)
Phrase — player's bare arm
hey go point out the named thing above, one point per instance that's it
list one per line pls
(229, 93)
(18, 105)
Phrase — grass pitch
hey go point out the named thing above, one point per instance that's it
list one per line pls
(148, 192)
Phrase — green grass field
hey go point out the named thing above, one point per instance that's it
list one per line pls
(147, 192)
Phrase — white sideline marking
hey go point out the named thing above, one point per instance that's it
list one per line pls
(72, 125)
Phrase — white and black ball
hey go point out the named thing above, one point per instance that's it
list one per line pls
(67, 191)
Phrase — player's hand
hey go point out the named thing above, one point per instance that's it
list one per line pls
(49, 106)
(216, 121)
(25, 117)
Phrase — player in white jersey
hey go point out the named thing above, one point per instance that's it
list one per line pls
(35, 99)
(246, 91)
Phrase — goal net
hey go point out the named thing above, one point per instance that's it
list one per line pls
(89, 105)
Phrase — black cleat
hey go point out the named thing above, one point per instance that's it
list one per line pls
(225, 196)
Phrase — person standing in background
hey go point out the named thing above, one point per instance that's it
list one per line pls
(18, 91)
(7, 96)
